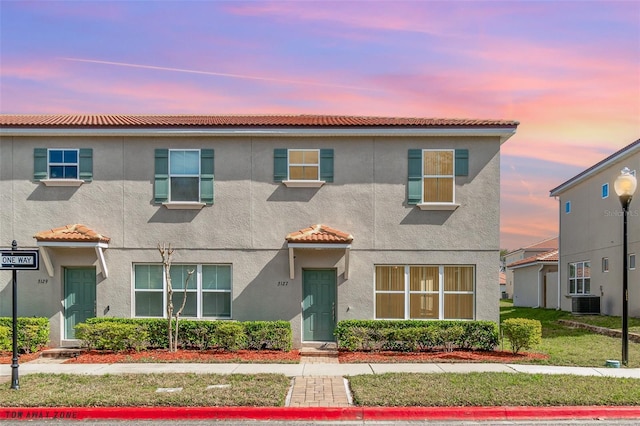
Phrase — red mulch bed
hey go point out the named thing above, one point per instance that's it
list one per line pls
(428, 356)
(185, 355)
(244, 356)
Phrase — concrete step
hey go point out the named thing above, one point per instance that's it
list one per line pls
(62, 352)
(319, 353)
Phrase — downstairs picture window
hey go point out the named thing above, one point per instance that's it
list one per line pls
(580, 278)
(208, 290)
(424, 292)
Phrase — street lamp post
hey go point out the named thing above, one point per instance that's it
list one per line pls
(625, 186)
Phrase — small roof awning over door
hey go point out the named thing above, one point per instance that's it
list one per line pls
(72, 236)
(319, 237)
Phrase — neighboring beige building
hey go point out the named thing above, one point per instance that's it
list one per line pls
(535, 280)
(535, 249)
(591, 238)
(309, 219)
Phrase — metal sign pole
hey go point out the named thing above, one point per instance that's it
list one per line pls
(14, 360)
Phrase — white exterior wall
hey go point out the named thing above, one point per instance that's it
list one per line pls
(249, 220)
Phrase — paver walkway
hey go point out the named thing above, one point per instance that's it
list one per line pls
(319, 391)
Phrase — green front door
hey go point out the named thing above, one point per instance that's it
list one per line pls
(318, 305)
(79, 298)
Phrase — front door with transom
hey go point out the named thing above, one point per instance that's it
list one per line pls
(79, 298)
(318, 305)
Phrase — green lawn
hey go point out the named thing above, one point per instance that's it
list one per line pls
(65, 390)
(573, 346)
(491, 389)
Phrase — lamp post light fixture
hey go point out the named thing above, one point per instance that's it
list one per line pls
(625, 186)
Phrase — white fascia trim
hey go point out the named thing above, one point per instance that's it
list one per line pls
(503, 133)
(71, 244)
(538, 262)
(574, 181)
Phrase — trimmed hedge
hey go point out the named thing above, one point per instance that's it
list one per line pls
(411, 335)
(203, 334)
(115, 336)
(33, 333)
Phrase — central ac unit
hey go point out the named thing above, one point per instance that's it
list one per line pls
(586, 305)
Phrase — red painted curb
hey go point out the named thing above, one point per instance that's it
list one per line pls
(320, 413)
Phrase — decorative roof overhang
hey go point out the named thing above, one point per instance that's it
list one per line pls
(72, 236)
(318, 237)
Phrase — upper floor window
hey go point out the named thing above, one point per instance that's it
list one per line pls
(632, 261)
(580, 277)
(605, 190)
(605, 264)
(567, 207)
(184, 177)
(431, 176)
(303, 167)
(63, 166)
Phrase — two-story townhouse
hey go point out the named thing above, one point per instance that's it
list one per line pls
(591, 238)
(310, 219)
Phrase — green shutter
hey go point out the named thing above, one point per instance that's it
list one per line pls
(326, 165)
(161, 189)
(280, 165)
(206, 176)
(462, 162)
(414, 183)
(86, 164)
(40, 163)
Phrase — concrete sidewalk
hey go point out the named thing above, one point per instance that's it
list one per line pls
(312, 369)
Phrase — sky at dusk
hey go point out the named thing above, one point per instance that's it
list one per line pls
(568, 71)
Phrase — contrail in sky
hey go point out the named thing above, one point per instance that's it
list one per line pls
(219, 74)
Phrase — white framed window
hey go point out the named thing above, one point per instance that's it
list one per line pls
(605, 264)
(184, 175)
(567, 207)
(63, 163)
(580, 277)
(209, 290)
(605, 190)
(438, 176)
(424, 292)
(632, 261)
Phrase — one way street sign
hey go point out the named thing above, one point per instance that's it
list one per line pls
(20, 259)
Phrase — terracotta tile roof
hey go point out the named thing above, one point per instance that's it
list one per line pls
(145, 121)
(546, 257)
(319, 234)
(71, 233)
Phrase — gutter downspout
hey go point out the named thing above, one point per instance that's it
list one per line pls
(539, 270)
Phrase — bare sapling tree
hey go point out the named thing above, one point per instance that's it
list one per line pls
(167, 252)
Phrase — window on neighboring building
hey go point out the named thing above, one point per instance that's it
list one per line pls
(632, 261)
(605, 264)
(208, 290)
(567, 207)
(184, 176)
(605, 190)
(580, 278)
(424, 292)
(63, 164)
(303, 165)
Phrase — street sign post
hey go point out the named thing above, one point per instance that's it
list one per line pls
(17, 260)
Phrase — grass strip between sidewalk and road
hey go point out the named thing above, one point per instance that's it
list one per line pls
(491, 389)
(131, 390)
(270, 390)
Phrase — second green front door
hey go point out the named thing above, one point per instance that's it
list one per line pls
(318, 305)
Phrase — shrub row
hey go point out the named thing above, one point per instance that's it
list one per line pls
(410, 335)
(33, 334)
(202, 335)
